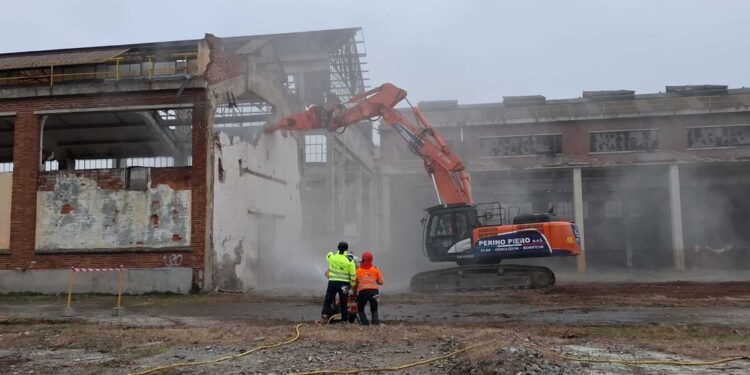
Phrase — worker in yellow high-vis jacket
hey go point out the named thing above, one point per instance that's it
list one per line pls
(341, 275)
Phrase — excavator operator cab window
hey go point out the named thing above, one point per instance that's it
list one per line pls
(444, 230)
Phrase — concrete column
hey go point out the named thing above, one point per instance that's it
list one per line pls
(331, 181)
(675, 205)
(341, 192)
(385, 219)
(578, 210)
(359, 199)
(26, 159)
(372, 212)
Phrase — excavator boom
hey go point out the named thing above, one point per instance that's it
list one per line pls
(444, 166)
(453, 230)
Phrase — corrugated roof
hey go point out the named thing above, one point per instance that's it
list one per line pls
(60, 58)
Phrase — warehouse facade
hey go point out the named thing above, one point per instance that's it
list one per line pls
(148, 156)
(654, 181)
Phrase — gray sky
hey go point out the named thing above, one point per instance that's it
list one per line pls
(473, 51)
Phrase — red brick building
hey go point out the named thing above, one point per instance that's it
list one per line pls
(146, 156)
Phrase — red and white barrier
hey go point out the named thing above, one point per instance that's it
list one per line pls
(120, 285)
(89, 269)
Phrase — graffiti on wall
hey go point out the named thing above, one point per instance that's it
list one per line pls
(626, 140)
(548, 144)
(719, 136)
(172, 260)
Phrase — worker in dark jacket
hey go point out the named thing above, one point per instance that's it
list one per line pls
(341, 275)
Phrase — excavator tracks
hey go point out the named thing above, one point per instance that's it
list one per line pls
(484, 277)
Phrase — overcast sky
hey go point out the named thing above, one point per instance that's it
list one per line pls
(473, 51)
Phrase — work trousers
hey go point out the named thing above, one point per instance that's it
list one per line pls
(363, 298)
(335, 287)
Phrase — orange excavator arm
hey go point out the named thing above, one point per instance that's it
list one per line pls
(448, 173)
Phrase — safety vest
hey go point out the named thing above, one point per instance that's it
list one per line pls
(341, 268)
(368, 278)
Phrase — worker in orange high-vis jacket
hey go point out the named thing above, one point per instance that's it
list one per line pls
(368, 281)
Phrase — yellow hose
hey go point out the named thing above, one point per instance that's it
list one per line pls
(633, 362)
(636, 362)
(334, 316)
(226, 358)
(395, 368)
(445, 356)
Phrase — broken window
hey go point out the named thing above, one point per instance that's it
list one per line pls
(181, 65)
(117, 139)
(157, 162)
(315, 148)
(624, 140)
(291, 84)
(94, 164)
(6, 143)
(242, 114)
(719, 136)
(525, 145)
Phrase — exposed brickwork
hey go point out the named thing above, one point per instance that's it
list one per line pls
(100, 101)
(199, 187)
(26, 140)
(223, 64)
(178, 178)
(27, 180)
(106, 179)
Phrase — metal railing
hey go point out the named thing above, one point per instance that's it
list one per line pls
(150, 71)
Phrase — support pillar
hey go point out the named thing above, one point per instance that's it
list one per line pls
(202, 170)
(331, 181)
(675, 213)
(26, 165)
(385, 235)
(359, 202)
(578, 210)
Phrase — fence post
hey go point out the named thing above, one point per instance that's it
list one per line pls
(120, 286)
(68, 311)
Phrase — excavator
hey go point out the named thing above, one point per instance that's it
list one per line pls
(478, 237)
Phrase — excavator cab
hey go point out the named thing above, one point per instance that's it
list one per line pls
(447, 231)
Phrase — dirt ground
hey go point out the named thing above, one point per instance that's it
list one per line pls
(519, 332)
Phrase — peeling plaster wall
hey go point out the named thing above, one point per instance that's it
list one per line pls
(85, 212)
(257, 212)
(6, 181)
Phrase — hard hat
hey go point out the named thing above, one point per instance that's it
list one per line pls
(366, 260)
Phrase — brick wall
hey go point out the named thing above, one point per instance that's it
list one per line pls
(223, 64)
(27, 181)
(178, 178)
(199, 183)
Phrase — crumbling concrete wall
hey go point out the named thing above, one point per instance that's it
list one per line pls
(94, 210)
(6, 182)
(257, 210)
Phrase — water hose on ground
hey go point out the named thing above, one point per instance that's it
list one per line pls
(394, 368)
(634, 362)
(225, 358)
(526, 342)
